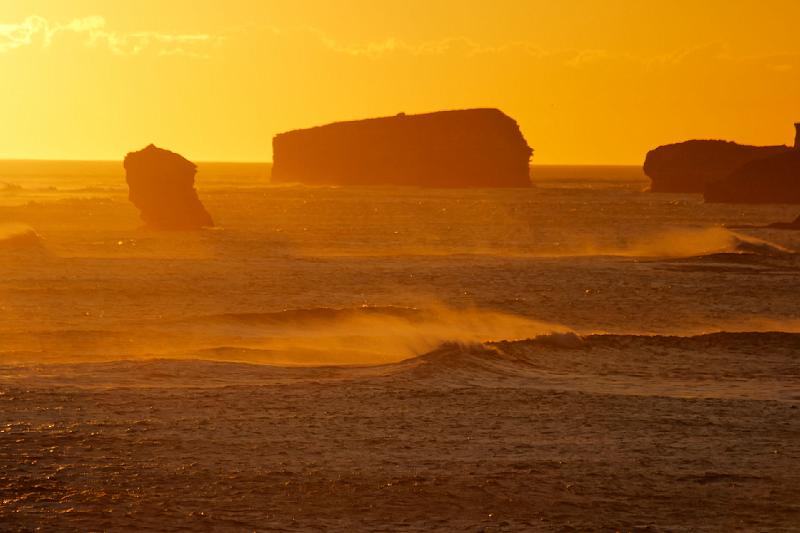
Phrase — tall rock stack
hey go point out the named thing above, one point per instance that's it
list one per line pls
(462, 148)
(161, 185)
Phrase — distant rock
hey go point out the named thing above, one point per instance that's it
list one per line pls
(464, 148)
(772, 180)
(797, 135)
(161, 185)
(689, 166)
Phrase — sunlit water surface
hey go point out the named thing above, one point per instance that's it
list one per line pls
(512, 349)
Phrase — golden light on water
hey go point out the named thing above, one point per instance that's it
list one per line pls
(398, 324)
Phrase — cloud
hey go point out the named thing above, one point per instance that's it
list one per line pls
(585, 57)
(38, 30)
(699, 55)
(394, 45)
(16, 35)
(163, 44)
(451, 45)
(389, 45)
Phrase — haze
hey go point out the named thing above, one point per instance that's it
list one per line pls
(588, 81)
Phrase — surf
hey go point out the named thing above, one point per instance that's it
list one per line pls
(18, 236)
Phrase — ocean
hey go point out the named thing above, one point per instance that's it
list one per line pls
(579, 355)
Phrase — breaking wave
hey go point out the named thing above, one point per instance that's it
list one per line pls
(368, 335)
(572, 352)
(305, 337)
(746, 365)
(678, 243)
(697, 242)
(18, 236)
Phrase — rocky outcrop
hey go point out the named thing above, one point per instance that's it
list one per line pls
(689, 166)
(797, 135)
(464, 148)
(772, 180)
(161, 185)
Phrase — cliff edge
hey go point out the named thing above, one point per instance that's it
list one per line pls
(772, 180)
(161, 186)
(689, 166)
(463, 148)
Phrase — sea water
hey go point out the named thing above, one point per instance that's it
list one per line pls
(309, 315)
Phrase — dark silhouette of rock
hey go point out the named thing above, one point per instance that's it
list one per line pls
(772, 180)
(796, 223)
(161, 185)
(464, 148)
(797, 135)
(689, 166)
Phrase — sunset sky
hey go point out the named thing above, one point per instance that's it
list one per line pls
(591, 81)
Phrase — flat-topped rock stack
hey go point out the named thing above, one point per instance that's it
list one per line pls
(689, 166)
(463, 148)
(728, 172)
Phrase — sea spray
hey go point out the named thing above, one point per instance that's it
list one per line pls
(321, 336)
(16, 235)
(692, 242)
(363, 335)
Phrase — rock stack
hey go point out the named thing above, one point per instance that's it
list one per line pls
(690, 166)
(161, 186)
(463, 148)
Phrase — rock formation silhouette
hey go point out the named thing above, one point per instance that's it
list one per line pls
(161, 185)
(772, 180)
(796, 223)
(689, 166)
(797, 135)
(462, 148)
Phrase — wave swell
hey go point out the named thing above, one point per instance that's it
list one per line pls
(18, 236)
(732, 365)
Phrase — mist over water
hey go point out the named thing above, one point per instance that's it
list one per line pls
(580, 352)
(17, 236)
(322, 275)
(693, 242)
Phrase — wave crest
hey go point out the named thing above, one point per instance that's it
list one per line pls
(18, 236)
(698, 242)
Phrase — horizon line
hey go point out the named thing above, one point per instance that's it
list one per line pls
(253, 162)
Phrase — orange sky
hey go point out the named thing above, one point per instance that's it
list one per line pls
(589, 81)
